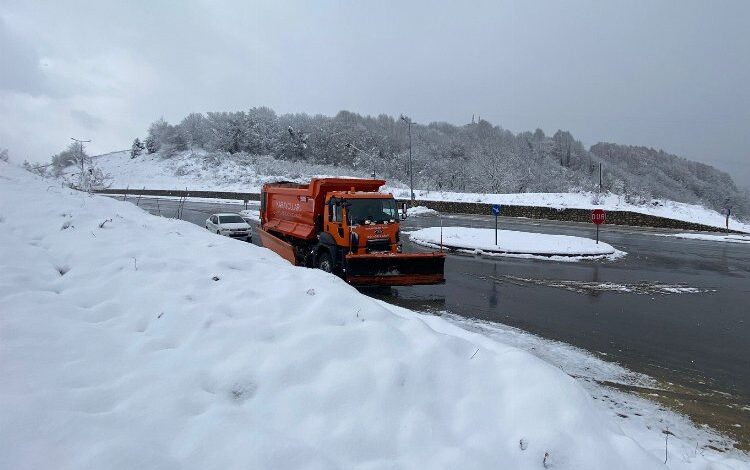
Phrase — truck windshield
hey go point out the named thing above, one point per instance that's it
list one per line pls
(376, 211)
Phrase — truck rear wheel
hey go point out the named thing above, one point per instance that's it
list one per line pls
(325, 263)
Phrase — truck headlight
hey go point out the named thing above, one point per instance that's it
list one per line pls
(399, 249)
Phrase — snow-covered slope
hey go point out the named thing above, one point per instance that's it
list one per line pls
(197, 170)
(133, 341)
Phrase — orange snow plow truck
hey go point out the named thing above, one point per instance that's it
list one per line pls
(346, 227)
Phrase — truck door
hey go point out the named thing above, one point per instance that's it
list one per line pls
(335, 224)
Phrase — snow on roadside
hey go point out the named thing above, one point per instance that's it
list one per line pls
(585, 200)
(514, 243)
(591, 287)
(711, 238)
(639, 418)
(420, 211)
(131, 341)
(190, 170)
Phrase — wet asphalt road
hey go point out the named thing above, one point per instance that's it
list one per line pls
(697, 339)
(703, 335)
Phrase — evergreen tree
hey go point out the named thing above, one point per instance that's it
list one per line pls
(137, 148)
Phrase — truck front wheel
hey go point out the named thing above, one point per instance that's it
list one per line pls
(325, 263)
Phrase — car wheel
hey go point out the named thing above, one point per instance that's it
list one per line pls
(324, 262)
(218, 232)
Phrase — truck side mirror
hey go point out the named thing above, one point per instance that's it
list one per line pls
(403, 211)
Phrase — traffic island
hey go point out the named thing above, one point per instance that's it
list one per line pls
(513, 243)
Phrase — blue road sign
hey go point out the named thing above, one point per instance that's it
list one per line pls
(496, 209)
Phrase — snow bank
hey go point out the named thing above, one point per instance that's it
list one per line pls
(420, 211)
(511, 242)
(133, 341)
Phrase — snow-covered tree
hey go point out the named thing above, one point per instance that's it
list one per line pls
(96, 179)
(196, 130)
(73, 155)
(152, 146)
(136, 148)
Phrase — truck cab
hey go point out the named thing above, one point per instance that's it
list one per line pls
(363, 222)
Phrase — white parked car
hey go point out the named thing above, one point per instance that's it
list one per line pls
(230, 225)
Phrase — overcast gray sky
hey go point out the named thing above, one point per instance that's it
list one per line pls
(667, 74)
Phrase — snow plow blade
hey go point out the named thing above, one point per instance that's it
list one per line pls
(282, 248)
(395, 269)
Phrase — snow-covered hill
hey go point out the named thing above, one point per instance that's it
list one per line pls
(200, 170)
(133, 341)
(203, 171)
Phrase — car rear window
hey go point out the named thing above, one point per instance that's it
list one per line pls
(230, 219)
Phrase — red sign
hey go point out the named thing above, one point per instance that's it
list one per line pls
(598, 216)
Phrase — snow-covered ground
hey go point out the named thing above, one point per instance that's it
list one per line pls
(194, 171)
(713, 238)
(514, 243)
(134, 341)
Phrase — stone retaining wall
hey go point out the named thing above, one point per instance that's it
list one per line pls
(531, 212)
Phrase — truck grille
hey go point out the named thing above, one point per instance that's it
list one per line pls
(378, 245)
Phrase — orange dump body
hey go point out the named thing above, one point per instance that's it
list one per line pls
(298, 223)
(292, 209)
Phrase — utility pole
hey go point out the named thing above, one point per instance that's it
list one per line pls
(80, 155)
(407, 120)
